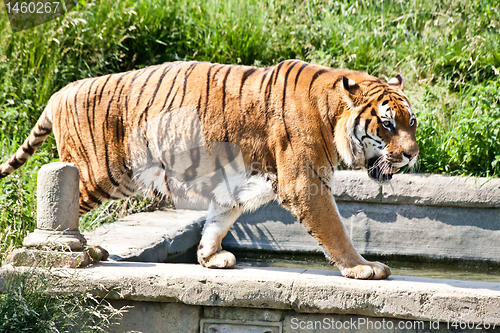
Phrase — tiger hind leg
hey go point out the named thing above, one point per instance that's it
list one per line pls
(219, 220)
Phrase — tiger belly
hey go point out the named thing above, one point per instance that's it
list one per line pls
(170, 157)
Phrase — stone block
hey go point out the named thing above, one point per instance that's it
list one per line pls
(242, 314)
(57, 209)
(159, 236)
(236, 326)
(379, 228)
(151, 317)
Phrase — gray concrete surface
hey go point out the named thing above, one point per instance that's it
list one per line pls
(418, 189)
(57, 209)
(276, 290)
(420, 215)
(388, 229)
(154, 317)
(159, 236)
(58, 197)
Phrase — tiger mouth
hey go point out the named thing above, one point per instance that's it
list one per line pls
(380, 170)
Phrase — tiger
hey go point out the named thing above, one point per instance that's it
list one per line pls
(236, 137)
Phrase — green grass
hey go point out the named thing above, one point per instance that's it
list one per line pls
(447, 50)
(28, 303)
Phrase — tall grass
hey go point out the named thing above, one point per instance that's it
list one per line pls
(28, 303)
(447, 50)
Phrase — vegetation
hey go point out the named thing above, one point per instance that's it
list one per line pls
(447, 50)
(28, 304)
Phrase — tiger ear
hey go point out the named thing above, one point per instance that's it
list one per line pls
(397, 82)
(352, 91)
(350, 85)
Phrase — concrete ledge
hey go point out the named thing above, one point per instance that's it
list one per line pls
(159, 236)
(419, 215)
(381, 229)
(418, 189)
(304, 291)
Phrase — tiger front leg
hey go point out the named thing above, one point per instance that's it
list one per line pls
(312, 203)
(219, 220)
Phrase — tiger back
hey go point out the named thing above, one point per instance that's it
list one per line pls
(234, 136)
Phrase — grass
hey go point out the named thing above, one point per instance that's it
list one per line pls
(29, 304)
(447, 50)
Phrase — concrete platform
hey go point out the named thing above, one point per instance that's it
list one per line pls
(245, 294)
(160, 236)
(417, 215)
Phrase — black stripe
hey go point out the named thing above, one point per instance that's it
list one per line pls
(171, 87)
(245, 76)
(102, 88)
(226, 138)
(86, 208)
(74, 100)
(145, 84)
(267, 93)
(356, 123)
(277, 71)
(262, 80)
(315, 76)
(298, 74)
(169, 108)
(87, 108)
(186, 77)
(42, 133)
(121, 90)
(224, 81)
(382, 96)
(153, 97)
(92, 197)
(285, 84)
(123, 86)
(322, 181)
(367, 123)
(375, 91)
(129, 95)
(218, 69)
(43, 129)
(119, 131)
(15, 163)
(28, 150)
(371, 138)
(108, 169)
(105, 127)
(328, 114)
(327, 153)
(283, 103)
(208, 89)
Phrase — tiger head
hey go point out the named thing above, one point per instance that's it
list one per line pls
(377, 126)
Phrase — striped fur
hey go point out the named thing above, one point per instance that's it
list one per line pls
(236, 136)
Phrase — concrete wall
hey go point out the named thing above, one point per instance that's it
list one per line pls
(419, 215)
(185, 298)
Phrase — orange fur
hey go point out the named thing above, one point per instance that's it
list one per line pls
(292, 122)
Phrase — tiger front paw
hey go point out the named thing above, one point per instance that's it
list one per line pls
(219, 259)
(369, 270)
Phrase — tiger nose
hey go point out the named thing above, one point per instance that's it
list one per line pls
(409, 156)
